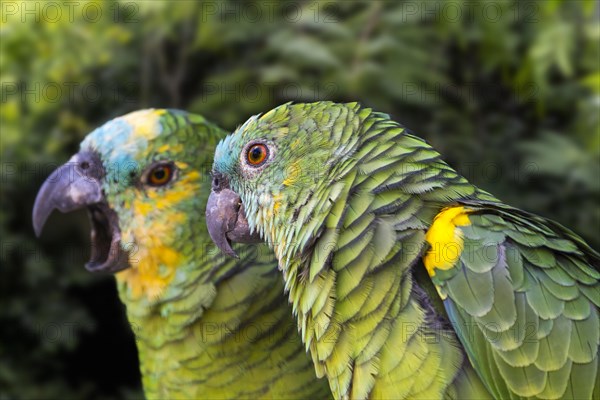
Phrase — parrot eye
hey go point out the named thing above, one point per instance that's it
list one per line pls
(257, 154)
(160, 175)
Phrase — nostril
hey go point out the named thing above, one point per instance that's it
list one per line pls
(218, 182)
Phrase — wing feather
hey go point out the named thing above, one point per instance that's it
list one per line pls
(523, 297)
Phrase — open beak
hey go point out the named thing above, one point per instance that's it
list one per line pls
(225, 218)
(76, 185)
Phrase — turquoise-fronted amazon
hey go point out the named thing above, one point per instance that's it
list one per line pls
(207, 326)
(408, 281)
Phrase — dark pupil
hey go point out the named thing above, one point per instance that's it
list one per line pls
(256, 153)
(159, 174)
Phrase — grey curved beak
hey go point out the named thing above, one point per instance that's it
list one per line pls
(70, 187)
(226, 220)
(76, 185)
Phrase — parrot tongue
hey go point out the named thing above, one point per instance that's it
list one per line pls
(74, 186)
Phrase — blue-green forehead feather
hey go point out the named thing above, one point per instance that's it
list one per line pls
(113, 134)
(125, 138)
(129, 143)
(299, 129)
(226, 155)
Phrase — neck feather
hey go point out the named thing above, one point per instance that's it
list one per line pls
(348, 256)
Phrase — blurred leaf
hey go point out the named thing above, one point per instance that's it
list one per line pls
(557, 155)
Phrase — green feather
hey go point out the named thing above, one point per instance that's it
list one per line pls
(215, 327)
(553, 353)
(473, 291)
(521, 299)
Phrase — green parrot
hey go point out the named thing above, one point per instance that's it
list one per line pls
(406, 280)
(207, 326)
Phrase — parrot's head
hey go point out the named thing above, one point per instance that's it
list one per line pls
(281, 164)
(144, 179)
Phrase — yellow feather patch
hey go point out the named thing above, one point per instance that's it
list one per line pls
(145, 122)
(293, 174)
(154, 260)
(445, 240)
(143, 208)
(175, 149)
(277, 202)
(147, 278)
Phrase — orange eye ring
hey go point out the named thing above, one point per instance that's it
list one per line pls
(160, 175)
(257, 154)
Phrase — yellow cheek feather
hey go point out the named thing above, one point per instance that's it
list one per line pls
(175, 149)
(154, 261)
(277, 202)
(293, 174)
(445, 240)
(153, 266)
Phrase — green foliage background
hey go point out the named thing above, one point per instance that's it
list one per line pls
(507, 91)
